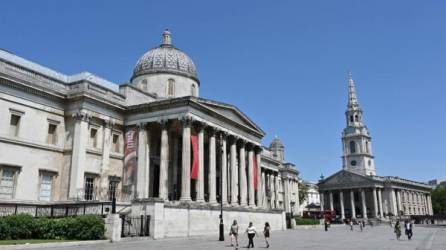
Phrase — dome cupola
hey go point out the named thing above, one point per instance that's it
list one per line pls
(169, 66)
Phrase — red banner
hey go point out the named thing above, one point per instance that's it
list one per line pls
(254, 166)
(130, 156)
(195, 160)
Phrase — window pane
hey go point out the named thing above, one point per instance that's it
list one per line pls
(7, 184)
(45, 187)
(89, 188)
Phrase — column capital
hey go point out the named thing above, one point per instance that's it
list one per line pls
(81, 116)
(249, 146)
(186, 120)
(109, 124)
(141, 125)
(222, 135)
(165, 123)
(198, 125)
(212, 131)
(258, 149)
(241, 142)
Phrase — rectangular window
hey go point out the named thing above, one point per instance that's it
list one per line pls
(46, 187)
(89, 188)
(52, 134)
(7, 183)
(115, 143)
(14, 125)
(112, 188)
(93, 138)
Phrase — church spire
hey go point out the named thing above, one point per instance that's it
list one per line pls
(352, 98)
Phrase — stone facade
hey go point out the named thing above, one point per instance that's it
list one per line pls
(67, 138)
(356, 191)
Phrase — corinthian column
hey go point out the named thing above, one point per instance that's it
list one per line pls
(364, 207)
(242, 174)
(375, 203)
(185, 168)
(380, 204)
(224, 169)
(260, 192)
(164, 160)
(200, 181)
(234, 177)
(352, 203)
(263, 196)
(251, 202)
(142, 187)
(341, 199)
(212, 167)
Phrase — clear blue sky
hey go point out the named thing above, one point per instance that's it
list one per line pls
(283, 63)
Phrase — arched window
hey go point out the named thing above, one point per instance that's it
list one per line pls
(193, 90)
(351, 118)
(356, 118)
(367, 147)
(170, 87)
(352, 147)
(144, 84)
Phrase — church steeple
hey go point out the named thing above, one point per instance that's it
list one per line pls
(356, 139)
(352, 98)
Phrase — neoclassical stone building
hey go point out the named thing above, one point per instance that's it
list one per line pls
(151, 141)
(356, 191)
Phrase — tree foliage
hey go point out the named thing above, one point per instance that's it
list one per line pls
(439, 199)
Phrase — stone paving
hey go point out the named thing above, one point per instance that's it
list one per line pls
(338, 237)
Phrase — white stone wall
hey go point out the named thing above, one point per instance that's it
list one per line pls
(158, 84)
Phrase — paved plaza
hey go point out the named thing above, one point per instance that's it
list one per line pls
(338, 237)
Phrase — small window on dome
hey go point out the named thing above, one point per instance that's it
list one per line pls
(170, 87)
(193, 90)
(352, 147)
(144, 84)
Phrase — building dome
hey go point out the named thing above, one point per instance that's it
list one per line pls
(276, 143)
(166, 59)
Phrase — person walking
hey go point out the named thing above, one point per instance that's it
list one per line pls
(360, 225)
(351, 225)
(408, 226)
(397, 230)
(266, 233)
(251, 231)
(233, 233)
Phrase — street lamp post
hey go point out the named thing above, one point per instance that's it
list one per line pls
(221, 228)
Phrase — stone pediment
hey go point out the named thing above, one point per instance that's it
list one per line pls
(346, 179)
(230, 112)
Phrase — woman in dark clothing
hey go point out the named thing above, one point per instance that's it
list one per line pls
(266, 233)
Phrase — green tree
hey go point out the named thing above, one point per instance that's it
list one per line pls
(439, 199)
(303, 192)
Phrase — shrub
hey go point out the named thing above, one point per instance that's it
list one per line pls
(307, 221)
(85, 227)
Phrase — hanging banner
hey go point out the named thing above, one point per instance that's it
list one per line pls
(195, 160)
(254, 166)
(130, 156)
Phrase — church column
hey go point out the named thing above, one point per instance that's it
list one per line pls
(164, 160)
(375, 203)
(341, 200)
(321, 197)
(242, 174)
(78, 155)
(251, 202)
(429, 202)
(286, 196)
(380, 203)
(234, 177)
(185, 168)
(364, 207)
(142, 187)
(200, 181)
(352, 203)
(224, 169)
(260, 192)
(330, 196)
(212, 167)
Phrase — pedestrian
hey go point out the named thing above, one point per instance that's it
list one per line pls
(326, 224)
(251, 231)
(360, 225)
(233, 233)
(408, 226)
(363, 223)
(266, 233)
(351, 225)
(397, 230)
